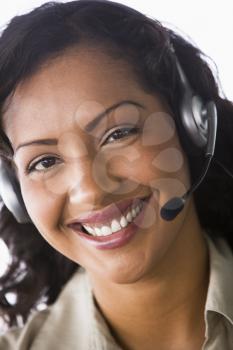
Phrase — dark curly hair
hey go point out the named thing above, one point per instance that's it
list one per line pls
(38, 272)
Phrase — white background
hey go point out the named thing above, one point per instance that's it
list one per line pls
(208, 23)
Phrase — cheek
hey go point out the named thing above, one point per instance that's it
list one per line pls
(42, 206)
(162, 167)
(45, 210)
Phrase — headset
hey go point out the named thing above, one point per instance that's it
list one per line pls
(199, 123)
(198, 119)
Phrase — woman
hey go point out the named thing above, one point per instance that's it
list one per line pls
(91, 132)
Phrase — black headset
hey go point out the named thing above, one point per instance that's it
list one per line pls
(198, 118)
(199, 122)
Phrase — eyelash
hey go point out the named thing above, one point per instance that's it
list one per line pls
(32, 167)
(131, 130)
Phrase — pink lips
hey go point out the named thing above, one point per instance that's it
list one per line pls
(117, 239)
(105, 215)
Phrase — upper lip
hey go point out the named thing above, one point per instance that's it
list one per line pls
(105, 215)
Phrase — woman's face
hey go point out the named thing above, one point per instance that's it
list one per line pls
(67, 166)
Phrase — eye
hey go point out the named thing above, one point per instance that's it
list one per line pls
(42, 164)
(121, 133)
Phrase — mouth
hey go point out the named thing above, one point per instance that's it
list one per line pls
(108, 240)
(115, 224)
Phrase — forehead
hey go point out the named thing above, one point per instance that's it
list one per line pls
(61, 85)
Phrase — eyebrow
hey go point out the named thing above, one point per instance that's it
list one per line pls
(89, 127)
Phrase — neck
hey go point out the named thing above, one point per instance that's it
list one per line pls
(166, 306)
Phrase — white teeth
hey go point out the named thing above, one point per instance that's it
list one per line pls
(115, 224)
(133, 213)
(129, 217)
(89, 229)
(137, 209)
(105, 230)
(97, 231)
(123, 221)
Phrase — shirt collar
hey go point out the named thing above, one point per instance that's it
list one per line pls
(219, 295)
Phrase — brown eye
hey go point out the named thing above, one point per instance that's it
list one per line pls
(43, 164)
(121, 133)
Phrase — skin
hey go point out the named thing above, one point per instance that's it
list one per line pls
(160, 278)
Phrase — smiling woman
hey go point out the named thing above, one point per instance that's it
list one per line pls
(108, 125)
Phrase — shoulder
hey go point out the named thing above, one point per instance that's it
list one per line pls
(219, 300)
(219, 248)
(21, 338)
(38, 326)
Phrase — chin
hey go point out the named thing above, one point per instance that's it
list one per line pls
(127, 272)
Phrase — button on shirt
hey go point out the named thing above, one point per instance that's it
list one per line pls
(74, 323)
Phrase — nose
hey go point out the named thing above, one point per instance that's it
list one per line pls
(90, 182)
(95, 179)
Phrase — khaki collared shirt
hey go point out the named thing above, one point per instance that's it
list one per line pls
(74, 323)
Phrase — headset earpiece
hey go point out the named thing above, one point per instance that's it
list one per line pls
(11, 194)
(193, 112)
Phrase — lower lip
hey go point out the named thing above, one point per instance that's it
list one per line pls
(120, 238)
